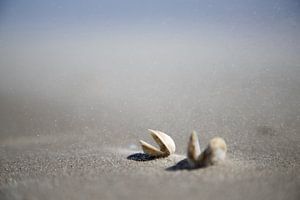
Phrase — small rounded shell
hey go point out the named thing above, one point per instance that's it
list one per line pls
(214, 153)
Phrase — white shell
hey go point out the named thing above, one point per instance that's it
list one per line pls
(164, 141)
(193, 151)
(214, 153)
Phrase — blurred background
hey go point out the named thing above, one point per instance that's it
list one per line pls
(113, 69)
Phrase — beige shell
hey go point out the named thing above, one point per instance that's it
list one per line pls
(193, 151)
(164, 141)
(214, 153)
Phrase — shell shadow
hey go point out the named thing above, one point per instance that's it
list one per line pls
(142, 157)
(183, 165)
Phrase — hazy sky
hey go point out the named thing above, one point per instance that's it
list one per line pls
(36, 17)
(45, 35)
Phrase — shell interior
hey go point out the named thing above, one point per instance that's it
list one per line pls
(151, 150)
(165, 143)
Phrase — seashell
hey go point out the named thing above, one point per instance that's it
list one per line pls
(193, 151)
(214, 153)
(165, 142)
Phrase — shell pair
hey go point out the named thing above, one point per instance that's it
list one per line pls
(214, 153)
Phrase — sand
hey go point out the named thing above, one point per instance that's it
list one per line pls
(81, 142)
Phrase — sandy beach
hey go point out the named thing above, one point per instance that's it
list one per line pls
(61, 147)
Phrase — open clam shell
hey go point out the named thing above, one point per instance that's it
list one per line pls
(165, 142)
